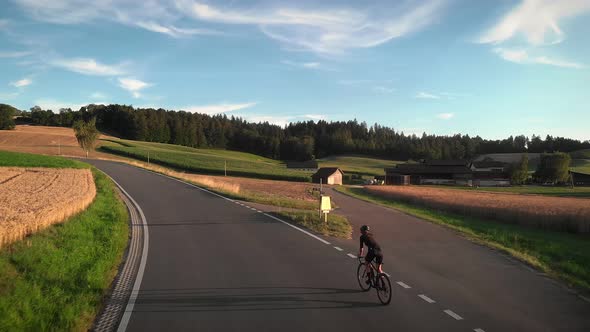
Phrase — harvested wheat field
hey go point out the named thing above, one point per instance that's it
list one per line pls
(553, 213)
(33, 198)
(43, 140)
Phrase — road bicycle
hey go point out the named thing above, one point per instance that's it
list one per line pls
(370, 277)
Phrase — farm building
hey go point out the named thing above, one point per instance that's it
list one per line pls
(490, 173)
(449, 172)
(303, 165)
(580, 179)
(328, 175)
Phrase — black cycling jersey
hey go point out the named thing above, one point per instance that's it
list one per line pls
(368, 240)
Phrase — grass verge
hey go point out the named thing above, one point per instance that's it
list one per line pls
(561, 255)
(56, 279)
(337, 226)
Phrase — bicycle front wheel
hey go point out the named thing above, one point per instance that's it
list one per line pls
(384, 289)
(362, 278)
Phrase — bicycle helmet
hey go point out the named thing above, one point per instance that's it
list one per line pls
(364, 228)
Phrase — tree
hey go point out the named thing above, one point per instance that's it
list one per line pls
(519, 173)
(553, 167)
(86, 134)
(7, 113)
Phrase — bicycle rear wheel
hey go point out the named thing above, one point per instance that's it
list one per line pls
(361, 276)
(383, 289)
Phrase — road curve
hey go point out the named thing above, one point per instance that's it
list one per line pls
(215, 265)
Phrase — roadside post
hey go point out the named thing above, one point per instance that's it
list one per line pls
(325, 207)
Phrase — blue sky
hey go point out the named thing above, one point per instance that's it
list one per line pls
(488, 68)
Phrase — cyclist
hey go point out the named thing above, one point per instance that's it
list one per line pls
(374, 250)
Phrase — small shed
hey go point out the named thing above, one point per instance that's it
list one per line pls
(580, 179)
(328, 175)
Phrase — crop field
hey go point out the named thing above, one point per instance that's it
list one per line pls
(43, 140)
(206, 161)
(32, 199)
(551, 213)
(279, 193)
(361, 165)
(558, 191)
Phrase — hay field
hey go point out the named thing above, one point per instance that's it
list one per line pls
(33, 198)
(551, 213)
(44, 140)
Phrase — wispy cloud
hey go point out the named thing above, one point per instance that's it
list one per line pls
(521, 56)
(173, 31)
(536, 20)
(87, 66)
(426, 95)
(56, 105)
(306, 65)
(14, 54)
(133, 85)
(218, 108)
(383, 89)
(98, 95)
(8, 95)
(315, 117)
(327, 31)
(445, 116)
(22, 82)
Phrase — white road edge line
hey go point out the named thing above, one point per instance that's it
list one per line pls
(351, 255)
(478, 330)
(338, 248)
(452, 314)
(403, 284)
(137, 285)
(426, 298)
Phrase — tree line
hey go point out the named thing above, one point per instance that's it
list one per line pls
(296, 141)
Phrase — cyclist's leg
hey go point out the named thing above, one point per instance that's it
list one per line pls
(368, 259)
(379, 260)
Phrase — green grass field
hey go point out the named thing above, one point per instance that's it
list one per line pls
(206, 161)
(581, 192)
(337, 226)
(34, 160)
(55, 280)
(580, 154)
(581, 165)
(359, 165)
(562, 255)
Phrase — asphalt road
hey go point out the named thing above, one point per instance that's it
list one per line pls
(215, 265)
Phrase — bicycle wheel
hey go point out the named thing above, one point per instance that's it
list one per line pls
(361, 276)
(384, 289)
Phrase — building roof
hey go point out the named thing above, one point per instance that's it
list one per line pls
(489, 164)
(407, 169)
(325, 172)
(458, 162)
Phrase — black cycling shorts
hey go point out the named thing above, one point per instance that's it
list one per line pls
(374, 254)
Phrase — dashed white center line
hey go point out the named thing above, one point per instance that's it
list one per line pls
(351, 256)
(403, 284)
(338, 248)
(452, 314)
(426, 298)
(478, 330)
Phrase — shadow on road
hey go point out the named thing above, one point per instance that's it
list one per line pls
(246, 299)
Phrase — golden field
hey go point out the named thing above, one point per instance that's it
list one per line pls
(44, 140)
(553, 213)
(32, 199)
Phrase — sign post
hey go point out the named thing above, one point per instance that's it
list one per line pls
(325, 206)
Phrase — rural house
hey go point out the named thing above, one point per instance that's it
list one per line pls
(449, 172)
(328, 175)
